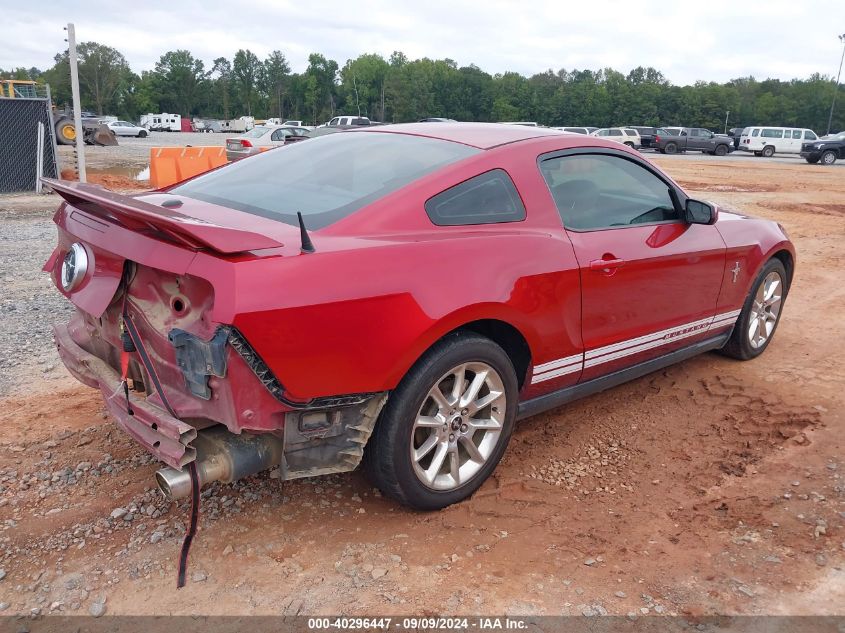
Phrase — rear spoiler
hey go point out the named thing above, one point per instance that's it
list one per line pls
(139, 215)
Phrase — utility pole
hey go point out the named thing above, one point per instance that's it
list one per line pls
(77, 108)
(836, 85)
(727, 114)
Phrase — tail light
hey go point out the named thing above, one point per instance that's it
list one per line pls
(656, 138)
(245, 143)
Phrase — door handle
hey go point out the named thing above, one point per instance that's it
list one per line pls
(607, 266)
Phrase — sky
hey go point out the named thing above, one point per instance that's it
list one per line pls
(688, 41)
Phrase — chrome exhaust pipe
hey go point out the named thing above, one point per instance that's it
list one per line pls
(222, 456)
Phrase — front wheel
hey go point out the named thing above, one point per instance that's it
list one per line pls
(760, 314)
(142, 134)
(828, 158)
(445, 427)
(721, 150)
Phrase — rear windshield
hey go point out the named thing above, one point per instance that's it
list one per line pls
(257, 132)
(325, 178)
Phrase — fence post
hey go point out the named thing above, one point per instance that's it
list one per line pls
(52, 125)
(39, 157)
(77, 108)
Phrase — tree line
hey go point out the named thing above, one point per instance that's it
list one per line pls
(398, 89)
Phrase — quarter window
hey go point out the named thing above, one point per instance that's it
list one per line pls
(486, 199)
(600, 191)
(755, 132)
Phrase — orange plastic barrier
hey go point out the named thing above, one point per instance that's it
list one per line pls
(169, 165)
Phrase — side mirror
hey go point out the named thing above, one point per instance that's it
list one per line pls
(697, 212)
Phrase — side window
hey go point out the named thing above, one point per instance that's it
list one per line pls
(599, 191)
(769, 133)
(486, 199)
(810, 136)
(796, 133)
(615, 132)
(279, 135)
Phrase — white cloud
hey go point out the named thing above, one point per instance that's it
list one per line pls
(687, 41)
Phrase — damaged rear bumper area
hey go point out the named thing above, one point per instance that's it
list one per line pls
(156, 430)
(324, 436)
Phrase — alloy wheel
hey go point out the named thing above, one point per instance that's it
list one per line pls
(458, 426)
(765, 310)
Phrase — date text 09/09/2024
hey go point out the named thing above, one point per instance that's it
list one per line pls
(416, 623)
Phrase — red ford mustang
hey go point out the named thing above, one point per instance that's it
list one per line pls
(397, 296)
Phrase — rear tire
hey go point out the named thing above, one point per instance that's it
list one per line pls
(671, 148)
(762, 309)
(65, 132)
(424, 412)
(828, 157)
(768, 151)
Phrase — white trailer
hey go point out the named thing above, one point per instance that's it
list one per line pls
(163, 122)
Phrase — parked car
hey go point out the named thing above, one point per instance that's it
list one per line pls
(302, 308)
(238, 147)
(839, 136)
(692, 139)
(646, 134)
(577, 130)
(348, 121)
(124, 128)
(624, 135)
(767, 141)
(825, 151)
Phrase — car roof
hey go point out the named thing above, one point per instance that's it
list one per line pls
(480, 135)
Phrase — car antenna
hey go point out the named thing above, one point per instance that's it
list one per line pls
(307, 244)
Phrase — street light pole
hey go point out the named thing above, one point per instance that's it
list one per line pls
(836, 85)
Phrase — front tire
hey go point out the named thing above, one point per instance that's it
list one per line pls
(445, 427)
(828, 158)
(721, 150)
(142, 134)
(760, 314)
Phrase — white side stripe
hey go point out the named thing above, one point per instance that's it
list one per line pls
(539, 369)
(608, 353)
(556, 373)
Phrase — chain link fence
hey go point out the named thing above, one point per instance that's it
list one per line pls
(19, 136)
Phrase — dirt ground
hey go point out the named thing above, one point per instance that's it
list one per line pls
(712, 487)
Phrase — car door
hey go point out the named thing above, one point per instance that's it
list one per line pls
(649, 280)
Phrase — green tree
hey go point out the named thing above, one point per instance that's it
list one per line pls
(276, 76)
(246, 70)
(179, 79)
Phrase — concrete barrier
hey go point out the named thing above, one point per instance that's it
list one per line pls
(169, 165)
